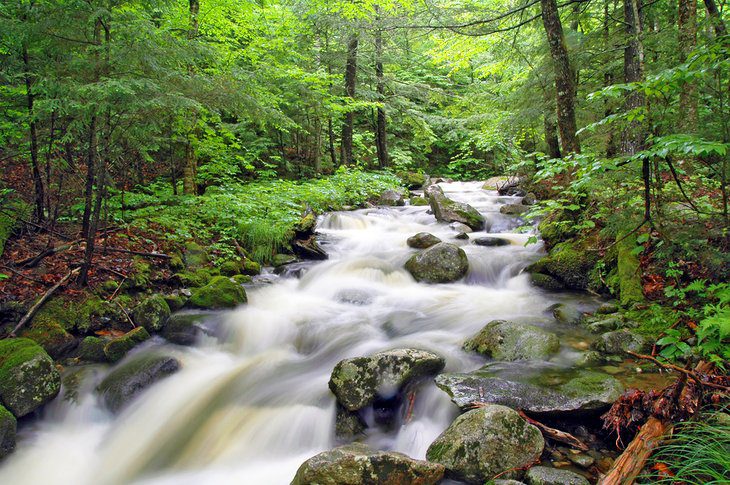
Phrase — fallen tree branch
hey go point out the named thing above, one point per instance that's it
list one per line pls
(556, 434)
(34, 309)
(691, 374)
(18, 273)
(33, 261)
(138, 253)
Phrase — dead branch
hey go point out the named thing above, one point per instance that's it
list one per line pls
(35, 260)
(138, 253)
(691, 374)
(34, 309)
(18, 273)
(556, 434)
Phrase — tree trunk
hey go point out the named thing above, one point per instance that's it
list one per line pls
(39, 196)
(191, 163)
(687, 24)
(91, 152)
(350, 81)
(551, 134)
(635, 134)
(715, 17)
(611, 148)
(564, 77)
(381, 140)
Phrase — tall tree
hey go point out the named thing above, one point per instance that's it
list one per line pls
(191, 162)
(687, 23)
(350, 82)
(381, 141)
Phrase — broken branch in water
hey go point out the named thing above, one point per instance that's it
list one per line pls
(556, 434)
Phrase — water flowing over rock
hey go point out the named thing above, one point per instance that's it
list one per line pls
(422, 240)
(447, 210)
(183, 328)
(357, 382)
(123, 384)
(118, 347)
(357, 464)
(8, 429)
(503, 340)
(486, 442)
(491, 241)
(151, 313)
(513, 209)
(28, 378)
(441, 263)
(542, 475)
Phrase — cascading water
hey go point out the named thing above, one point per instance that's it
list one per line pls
(251, 406)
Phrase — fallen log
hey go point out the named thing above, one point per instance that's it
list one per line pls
(138, 253)
(33, 261)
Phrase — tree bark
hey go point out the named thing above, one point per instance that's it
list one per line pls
(635, 134)
(350, 81)
(39, 196)
(191, 163)
(687, 24)
(564, 77)
(381, 140)
(716, 18)
(551, 134)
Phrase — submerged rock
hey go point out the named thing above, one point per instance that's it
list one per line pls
(486, 442)
(619, 342)
(542, 475)
(358, 464)
(28, 378)
(441, 263)
(118, 347)
(586, 392)
(503, 340)
(8, 429)
(125, 383)
(357, 382)
(422, 240)
(447, 210)
(491, 241)
(151, 313)
(220, 292)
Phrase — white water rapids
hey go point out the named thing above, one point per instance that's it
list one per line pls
(251, 406)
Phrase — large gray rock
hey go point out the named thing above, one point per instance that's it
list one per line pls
(28, 378)
(441, 263)
(587, 392)
(392, 198)
(486, 442)
(542, 475)
(183, 328)
(491, 241)
(359, 381)
(8, 428)
(619, 342)
(422, 240)
(357, 464)
(125, 383)
(567, 313)
(503, 340)
(447, 210)
(152, 313)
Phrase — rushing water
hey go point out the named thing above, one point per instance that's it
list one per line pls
(250, 406)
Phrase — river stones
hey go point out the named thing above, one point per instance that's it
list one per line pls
(441, 263)
(546, 282)
(542, 475)
(619, 342)
(607, 308)
(485, 442)
(309, 248)
(391, 197)
(491, 241)
(125, 383)
(422, 240)
(151, 313)
(504, 340)
(28, 378)
(513, 209)
(183, 328)
(358, 464)
(566, 313)
(586, 391)
(460, 228)
(91, 349)
(447, 210)
(219, 293)
(8, 429)
(118, 347)
(357, 382)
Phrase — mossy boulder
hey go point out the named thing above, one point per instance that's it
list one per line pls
(306, 225)
(280, 260)
(557, 227)
(102, 314)
(412, 180)
(504, 340)
(419, 201)
(486, 442)
(118, 347)
(183, 328)
(195, 255)
(151, 313)
(441, 263)
(91, 349)
(175, 301)
(422, 240)
(546, 282)
(242, 279)
(28, 378)
(348, 424)
(358, 464)
(569, 263)
(357, 382)
(140, 277)
(230, 268)
(251, 268)
(567, 313)
(193, 279)
(51, 336)
(8, 429)
(620, 342)
(542, 475)
(219, 293)
(513, 209)
(607, 308)
(447, 210)
(629, 273)
(125, 383)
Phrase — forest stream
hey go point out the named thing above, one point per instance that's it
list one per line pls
(251, 401)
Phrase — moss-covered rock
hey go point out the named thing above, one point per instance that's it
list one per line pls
(391, 197)
(51, 336)
(629, 273)
(221, 292)
(183, 328)
(306, 225)
(242, 279)
(557, 227)
(447, 210)
(118, 347)
(358, 464)
(8, 429)
(175, 301)
(195, 255)
(283, 259)
(151, 313)
(491, 241)
(503, 340)
(441, 263)
(513, 209)
(570, 263)
(251, 268)
(125, 383)
(546, 282)
(542, 475)
(359, 381)
(422, 240)
(97, 314)
(567, 313)
(419, 201)
(486, 442)
(412, 180)
(230, 268)
(91, 349)
(620, 342)
(140, 277)
(28, 378)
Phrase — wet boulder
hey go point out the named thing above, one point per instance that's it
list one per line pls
(542, 475)
(513, 209)
(152, 313)
(459, 227)
(490, 241)
(441, 263)
(357, 382)
(486, 442)
(569, 263)
(391, 197)
(619, 342)
(583, 392)
(447, 210)
(28, 378)
(607, 308)
(220, 292)
(419, 201)
(91, 349)
(309, 249)
(282, 260)
(422, 240)
(118, 347)
(50, 334)
(125, 383)
(566, 313)
(183, 328)
(358, 464)
(504, 340)
(546, 282)
(8, 429)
